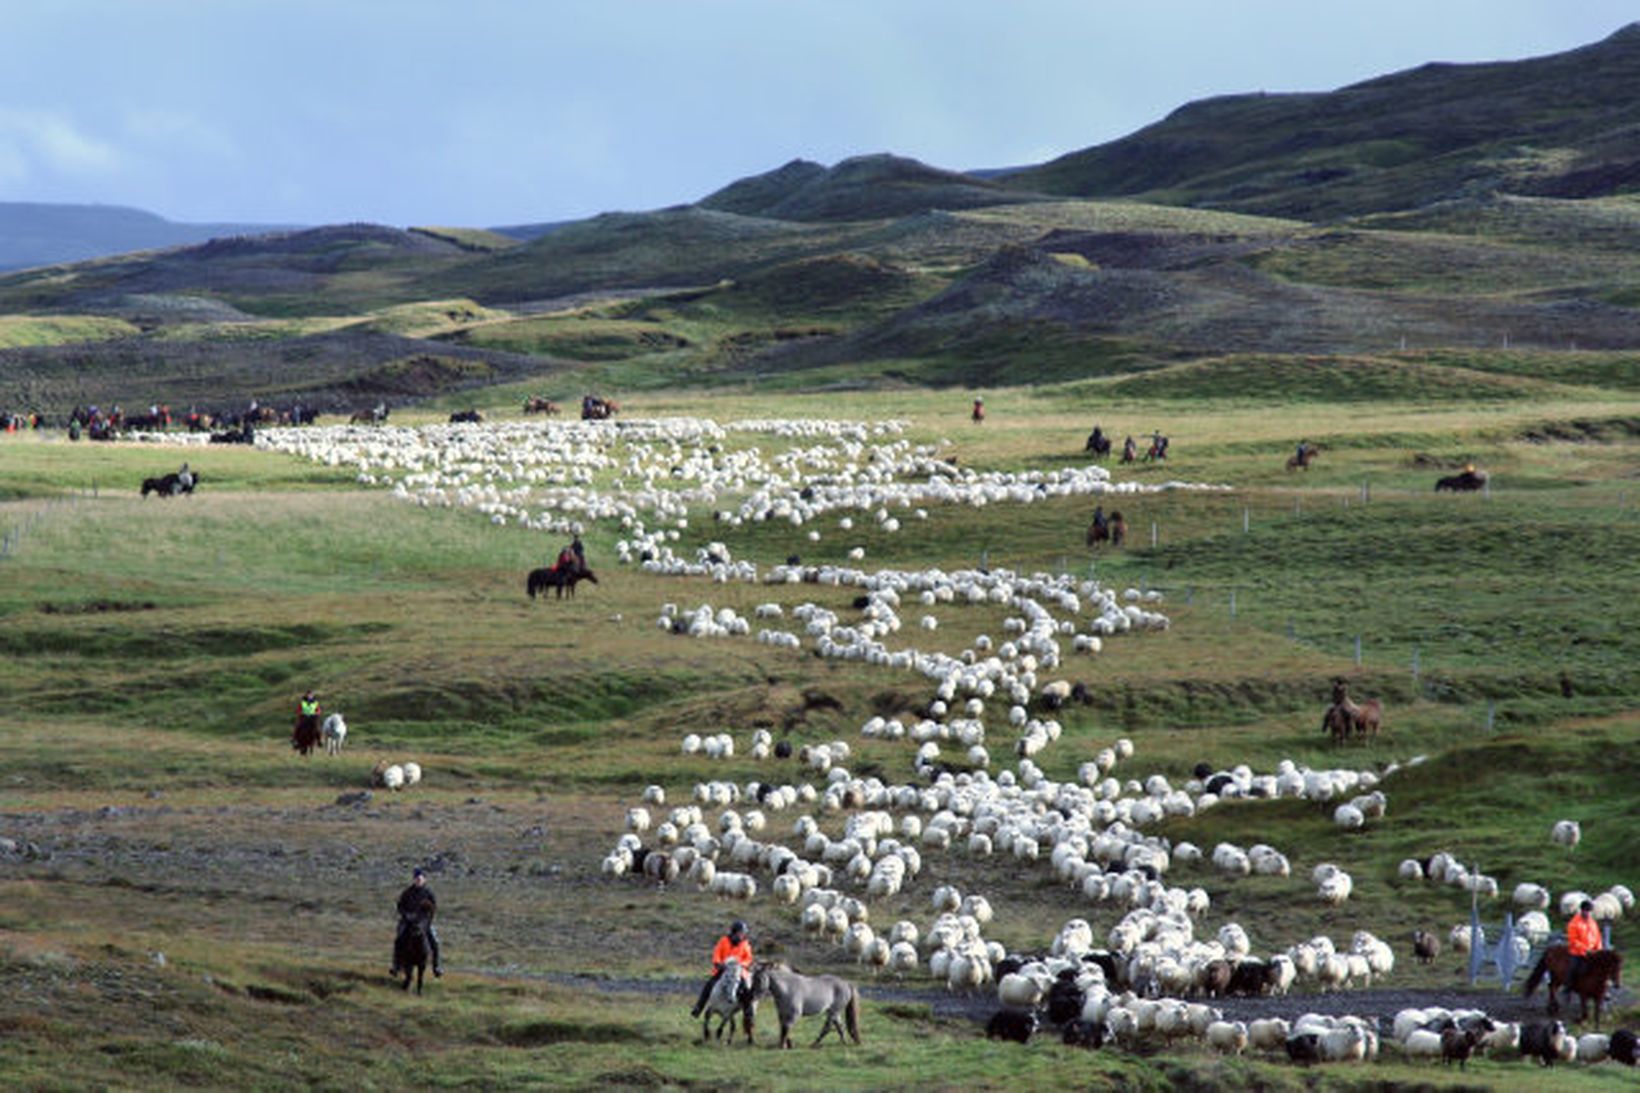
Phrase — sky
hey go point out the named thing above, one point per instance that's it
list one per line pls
(493, 112)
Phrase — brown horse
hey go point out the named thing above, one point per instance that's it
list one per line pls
(540, 405)
(305, 736)
(1600, 970)
(1113, 531)
(552, 577)
(1345, 719)
(410, 951)
(1301, 461)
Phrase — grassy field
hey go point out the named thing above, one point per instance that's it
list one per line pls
(154, 650)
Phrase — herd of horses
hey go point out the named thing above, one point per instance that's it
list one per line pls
(1346, 721)
(794, 995)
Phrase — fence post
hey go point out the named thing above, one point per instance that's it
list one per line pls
(1290, 631)
(1153, 534)
(1414, 664)
(1366, 492)
(1189, 595)
(1491, 714)
(1245, 519)
(1232, 603)
(1358, 650)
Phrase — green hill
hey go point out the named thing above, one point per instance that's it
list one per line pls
(862, 188)
(1560, 126)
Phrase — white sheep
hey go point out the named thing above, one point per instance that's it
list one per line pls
(387, 775)
(1227, 1037)
(1567, 833)
(412, 774)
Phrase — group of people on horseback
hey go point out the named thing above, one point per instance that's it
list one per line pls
(1099, 444)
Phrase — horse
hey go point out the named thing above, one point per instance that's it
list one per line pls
(410, 951)
(1345, 719)
(978, 416)
(1467, 482)
(168, 485)
(334, 733)
(1599, 970)
(469, 417)
(552, 577)
(540, 405)
(373, 416)
(1300, 461)
(304, 737)
(797, 996)
(1113, 531)
(1098, 443)
(726, 1002)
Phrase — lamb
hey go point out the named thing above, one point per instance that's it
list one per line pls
(334, 733)
(387, 775)
(412, 773)
(1567, 833)
(1593, 1047)
(1065, 998)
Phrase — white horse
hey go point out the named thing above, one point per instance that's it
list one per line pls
(801, 995)
(728, 1000)
(333, 732)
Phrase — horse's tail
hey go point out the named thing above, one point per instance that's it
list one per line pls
(1538, 971)
(851, 1013)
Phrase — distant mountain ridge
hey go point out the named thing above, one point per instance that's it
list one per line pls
(44, 234)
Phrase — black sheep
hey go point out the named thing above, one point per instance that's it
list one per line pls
(1011, 1025)
(1085, 1034)
(1425, 946)
(1202, 771)
(1304, 1048)
(783, 749)
(1250, 977)
(1540, 1040)
(1458, 1044)
(1065, 998)
(1624, 1047)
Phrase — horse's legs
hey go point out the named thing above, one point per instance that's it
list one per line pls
(826, 1026)
(785, 1033)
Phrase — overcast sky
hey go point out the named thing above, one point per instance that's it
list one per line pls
(485, 112)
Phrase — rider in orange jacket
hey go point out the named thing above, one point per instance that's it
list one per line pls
(733, 945)
(1582, 938)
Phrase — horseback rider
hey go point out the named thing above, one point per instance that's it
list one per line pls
(185, 478)
(566, 562)
(580, 551)
(1096, 440)
(1128, 448)
(1099, 520)
(734, 945)
(1303, 450)
(307, 715)
(417, 906)
(1582, 938)
(979, 409)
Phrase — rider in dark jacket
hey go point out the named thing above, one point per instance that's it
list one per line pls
(417, 905)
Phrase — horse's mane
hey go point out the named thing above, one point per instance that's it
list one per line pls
(1605, 958)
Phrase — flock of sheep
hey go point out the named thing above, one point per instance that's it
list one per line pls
(828, 843)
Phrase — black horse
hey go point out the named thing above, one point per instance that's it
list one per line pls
(562, 579)
(410, 951)
(1098, 443)
(471, 417)
(168, 485)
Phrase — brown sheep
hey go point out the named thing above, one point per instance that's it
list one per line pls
(1425, 946)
